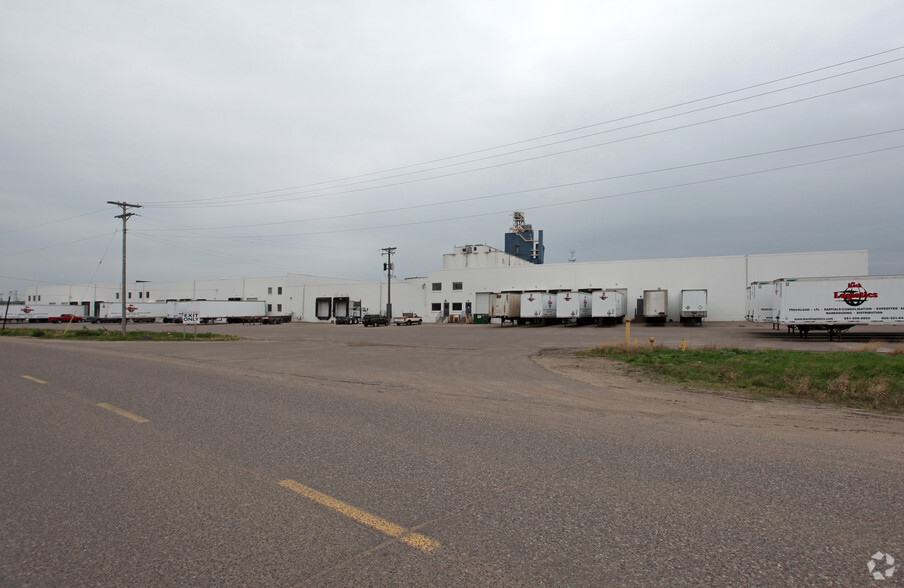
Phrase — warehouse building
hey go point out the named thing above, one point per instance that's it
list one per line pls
(469, 278)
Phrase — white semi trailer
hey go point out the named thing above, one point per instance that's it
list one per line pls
(507, 307)
(609, 306)
(760, 302)
(538, 307)
(693, 306)
(218, 311)
(655, 305)
(40, 313)
(574, 306)
(143, 312)
(836, 304)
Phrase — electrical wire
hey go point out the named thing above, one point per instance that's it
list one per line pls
(269, 194)
(604, 197)
(282, 198)
(554, 186)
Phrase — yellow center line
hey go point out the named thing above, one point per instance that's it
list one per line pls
(124, 413)
(33, 379)
(414, 539)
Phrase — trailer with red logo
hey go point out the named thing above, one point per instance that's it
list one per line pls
(142, 312)
(40, 313)
(539, 307)
(574, 307)
(836, 304)
(609, 306)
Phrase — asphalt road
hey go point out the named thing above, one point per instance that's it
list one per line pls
(324, 455)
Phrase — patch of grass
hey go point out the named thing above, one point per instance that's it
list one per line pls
(101, 334)
(859, 379)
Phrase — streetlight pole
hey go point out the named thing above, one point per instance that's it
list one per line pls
(124, 216)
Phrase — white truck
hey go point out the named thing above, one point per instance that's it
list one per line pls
(836, 304)
(574, 306)
(655, 305)
(407, 318)
(538, 307)
(609, 306)
(693, 306)
(218, 311)
(507, 307)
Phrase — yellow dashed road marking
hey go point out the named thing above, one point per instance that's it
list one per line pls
(124, 413)
(413, 539)
(33, 379)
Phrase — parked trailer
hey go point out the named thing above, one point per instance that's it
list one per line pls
(609, 306)
(655, 305)
(41, 313)
(693, 306)
(538, 307)
(574, 307)
(143, 312)
(222, 311)
(836, 304)
(760, 302)
(507, 307)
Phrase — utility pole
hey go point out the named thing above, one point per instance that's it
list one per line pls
(388, 251)
(124, 216)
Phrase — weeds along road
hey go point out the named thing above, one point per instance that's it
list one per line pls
(323, 455)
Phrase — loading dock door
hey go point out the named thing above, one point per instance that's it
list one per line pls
(323, 308)
(340, 307)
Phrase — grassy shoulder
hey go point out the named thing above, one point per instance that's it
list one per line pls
(86, 334)
(859, 379)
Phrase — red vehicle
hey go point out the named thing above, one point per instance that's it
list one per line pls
(65, 318)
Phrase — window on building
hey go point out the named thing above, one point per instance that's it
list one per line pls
(140, 295)
(279, 290)
(147, 295)
(456, 286)
(130, 295)
(270, 290)
(269, 308)
(437, 286)
(279, 306)
(436, 306)
(117, 295)
(456, 306)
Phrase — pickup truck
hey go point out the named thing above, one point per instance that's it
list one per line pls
(65, 318)
(407, 319)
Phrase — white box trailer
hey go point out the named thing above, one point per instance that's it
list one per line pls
(574, 305)
(538, 307)
(836, 304)
(693, 306)
(610, 305)
(142, 312)
(507, 307)
(218, 311)
(39, 313)
(760, 302)
(655, 305)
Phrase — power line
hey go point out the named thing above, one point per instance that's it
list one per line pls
(560, 186)
(273, 193)
(604, 197)
(284, 197)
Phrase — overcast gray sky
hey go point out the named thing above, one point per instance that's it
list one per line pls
(294, 136)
